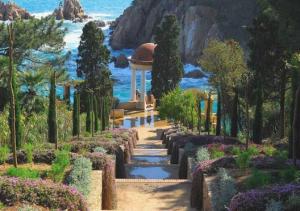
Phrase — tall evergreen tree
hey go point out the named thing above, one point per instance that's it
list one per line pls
(219, 115)
(76, 114)
(52, 124)
(167, 66)
(88, 123)
(96, 114)
(208, 113)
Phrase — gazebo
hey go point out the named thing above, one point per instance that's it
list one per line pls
(141, 61)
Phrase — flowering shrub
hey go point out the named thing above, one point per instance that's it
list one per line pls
(80, 176)
(40, 192)
(223, 189)
(259, 198)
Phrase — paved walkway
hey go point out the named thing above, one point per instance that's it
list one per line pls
(153, 182)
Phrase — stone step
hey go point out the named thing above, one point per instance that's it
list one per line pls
(150, 159)
(152, 171)
(150, 146)
(158, 152)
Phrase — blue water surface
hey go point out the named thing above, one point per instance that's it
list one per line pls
(106, 10)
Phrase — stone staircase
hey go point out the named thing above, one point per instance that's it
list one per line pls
(152, 182)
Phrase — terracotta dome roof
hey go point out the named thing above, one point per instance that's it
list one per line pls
(143, 55)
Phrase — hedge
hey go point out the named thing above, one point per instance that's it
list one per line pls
(44, 193)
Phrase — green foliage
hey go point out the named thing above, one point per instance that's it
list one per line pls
(293, 203)
(28, 148)
(76, 114)
(52, 123)
(80, 176)
(59, 165)
(253, 151)
(223, 190)
(258, 179)
(281, 156)
(235, 150)
(290, 174)
(24, 173)
(100, 149)
(1, 205)
(202, 154)
(167, 66)
(4, 132)
(269, 150)
(4, 153)
(89, 113)
(274, 206)
(216, 152)
(243, 160)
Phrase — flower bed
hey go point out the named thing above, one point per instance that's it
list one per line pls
(42, 193)
(259, 198)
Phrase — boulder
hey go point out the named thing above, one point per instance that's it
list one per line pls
(11, 11)
(70, 10)
(194, 74)
(100, 23)
(121, 61)
(199, 21)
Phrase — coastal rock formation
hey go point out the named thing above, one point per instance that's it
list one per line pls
(70, 10)
(11, 11)
(121, 61)
(100, 23)
(194, 74)
(200, 21)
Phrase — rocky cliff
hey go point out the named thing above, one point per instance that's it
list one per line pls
(200, 20)
(12, 11)
(70, 10)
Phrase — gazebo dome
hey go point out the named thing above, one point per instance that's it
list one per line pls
(143, 55)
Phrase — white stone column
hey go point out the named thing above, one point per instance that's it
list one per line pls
(133, 84)
(143, 90)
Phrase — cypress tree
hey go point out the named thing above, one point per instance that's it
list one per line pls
(167, 66)
(219, 114)
(76, 114)
(96, 115)
(52, 124)
(208, 114)
(296, 126)
(88, 123)
(199, 115)
(234, 115)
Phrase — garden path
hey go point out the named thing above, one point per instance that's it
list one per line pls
(152, 182)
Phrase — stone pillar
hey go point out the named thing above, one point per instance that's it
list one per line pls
(133, 84)
(143, 89)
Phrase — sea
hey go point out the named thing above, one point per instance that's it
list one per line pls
(106, 10)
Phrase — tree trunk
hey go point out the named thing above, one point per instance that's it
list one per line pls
(219, 115)
(234, 115)
(282, 104)
(12, 97)
(296, 126)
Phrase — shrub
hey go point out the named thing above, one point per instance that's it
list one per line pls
(80, 176)
(269, 150)
(235, 150)
(42, 193)
(243, 160)
(59, 165)
(293, 203)
(281, 156)
(223, 190)
(28, 148)
(289, 174)
(258, 179)
(253, 151)
(216, 151)
(274, 206)
(100, 149)
(202, 154)
(4, 153)
(23, 173)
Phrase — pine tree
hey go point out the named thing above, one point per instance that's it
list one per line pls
(76, 114)
(167, 66)
(52, 124)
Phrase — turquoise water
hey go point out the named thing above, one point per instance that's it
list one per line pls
(106, 10)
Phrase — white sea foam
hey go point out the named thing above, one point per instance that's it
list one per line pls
(41, 14)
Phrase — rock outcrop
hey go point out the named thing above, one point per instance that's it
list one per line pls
(200, 21)
(70, 10)
(11, 11)
(121, 61)
(194, 74)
